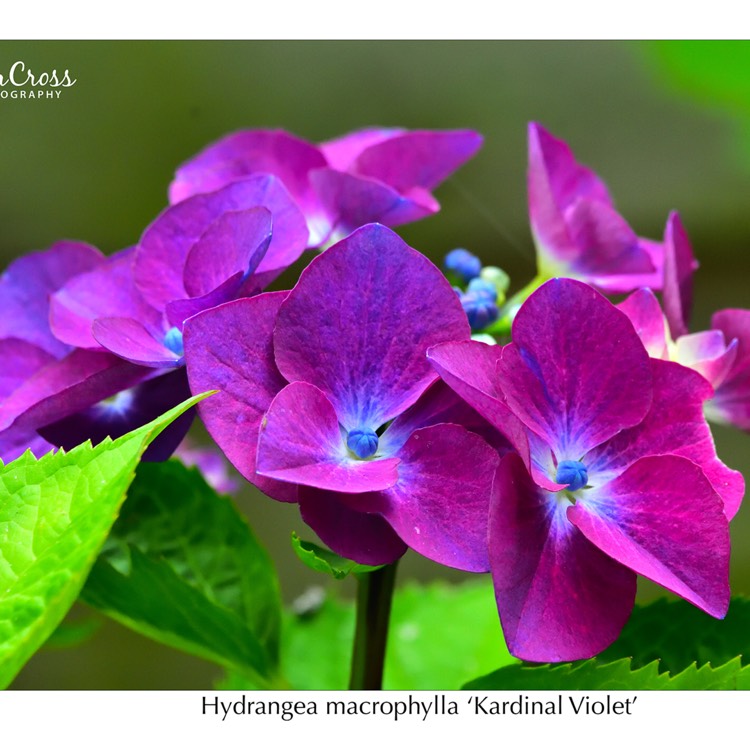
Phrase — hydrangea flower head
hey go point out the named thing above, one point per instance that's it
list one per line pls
(577, 231)
(615, 474)
(381, 175)
(326, 399)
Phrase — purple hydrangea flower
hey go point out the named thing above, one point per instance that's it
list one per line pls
(209, 249)
(615, 473)
(59, 395)
(379, 174)
(325, 399)
(576, 229)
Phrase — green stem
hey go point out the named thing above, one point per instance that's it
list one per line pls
(374, 596)
(502, 326)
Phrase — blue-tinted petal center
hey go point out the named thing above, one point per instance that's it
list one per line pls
(572, 473)
(362, 441)
(173, 341)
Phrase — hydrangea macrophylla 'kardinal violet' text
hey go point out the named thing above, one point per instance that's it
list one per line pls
(380, 175)
(325, 399)
(54, 394)
(576, 229)
(615, 473)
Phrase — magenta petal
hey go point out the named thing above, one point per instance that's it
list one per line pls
(341, 152)
(365, 538)
(246, 152)
(20, 360)
(164, 246)
(68, 386)
(559, 597)
(106, 291)
(644, 312)
(370, 337)
(417, 159)
(606, 244)
(663, 519)
(674, 425)
(26, 286)
(301, 442)
(235, 243)
(469, 368)
(352, 201)
(129, 339)
(679, 265)
(229, 349)
(440, 504)
(576, 373)
(15, 442)
(706, 352)
(731, 402)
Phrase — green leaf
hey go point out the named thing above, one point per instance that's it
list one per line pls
(617, 675)
(55, 514)
(428, 647)
(679, 634)
(667, 645)
(184, 568)
(324, 561)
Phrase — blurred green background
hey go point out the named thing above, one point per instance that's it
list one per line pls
(667, 125)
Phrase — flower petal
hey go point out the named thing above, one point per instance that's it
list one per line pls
(674, 425)
(365, 538)
(229, 349)
(235, 243)
(559, 597)
(679, 265)
(301, 442)
(370, 335)
(26, 286)
(129, 339)
(576, 373)
(663, 519)
(164, 246)
(440, 504)
(644, 312)
(341, 152)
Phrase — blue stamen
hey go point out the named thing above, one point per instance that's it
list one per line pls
(463, 264)
(173, 341)
(572, 473)
(483, 288)
(362, 441)
(480, 310)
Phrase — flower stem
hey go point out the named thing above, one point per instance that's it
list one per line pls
(374, 596)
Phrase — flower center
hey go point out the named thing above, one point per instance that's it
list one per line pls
(572, 473)
(173, 341)
(362, 441)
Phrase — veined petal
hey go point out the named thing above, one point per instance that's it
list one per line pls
(440, 504)
(731, 402)
(229, 349)
(663, 519)
(341, 152)
(164, 246)
(679, 265)
(366, 538)
(560, 598)
(373, 306)
(235, 243)
(706, 352)
(301, 442)
(129, 339)
(26, 286)
(20, 361)
(420, 158)
(644, 312)
(674, 425)
(576, 373)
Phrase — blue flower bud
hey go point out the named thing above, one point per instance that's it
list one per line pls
(480, 310)
(497, 277)
(362, 441)
(483, 288)
(173, 341)
(463, 264)
(572, 473)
